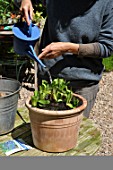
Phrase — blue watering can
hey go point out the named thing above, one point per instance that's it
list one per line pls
(25, 38)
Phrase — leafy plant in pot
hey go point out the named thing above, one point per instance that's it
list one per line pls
(55, 115)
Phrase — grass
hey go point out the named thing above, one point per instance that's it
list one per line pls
(108, 63)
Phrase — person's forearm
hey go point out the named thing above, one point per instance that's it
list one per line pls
(71, 48)
(84, 50)
(89, 50)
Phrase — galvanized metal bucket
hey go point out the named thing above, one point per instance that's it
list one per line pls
(8, 103)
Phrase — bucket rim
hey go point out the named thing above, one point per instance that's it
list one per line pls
(14, 80)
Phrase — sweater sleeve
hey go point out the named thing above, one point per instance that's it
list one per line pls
(104, 47)
(106, 34)
(89, 50)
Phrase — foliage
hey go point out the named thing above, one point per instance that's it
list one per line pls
(38, 19)
(108, 63)
(8, 12)
(55, 93)
(7, 9)
(39, 6)
(39, 13)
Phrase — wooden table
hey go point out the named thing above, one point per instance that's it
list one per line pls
(89, 140)
(6, 36)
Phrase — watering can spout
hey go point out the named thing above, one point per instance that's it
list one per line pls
(33, 55)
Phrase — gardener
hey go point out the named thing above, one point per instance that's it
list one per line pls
(77, 36)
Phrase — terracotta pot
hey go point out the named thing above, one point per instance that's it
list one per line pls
(56, 131)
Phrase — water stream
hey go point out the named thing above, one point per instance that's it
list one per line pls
(49, 75)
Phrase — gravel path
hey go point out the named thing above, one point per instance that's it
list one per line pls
(102, 112)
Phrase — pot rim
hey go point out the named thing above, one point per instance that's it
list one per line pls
(76, 110)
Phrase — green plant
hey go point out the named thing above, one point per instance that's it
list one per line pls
(55, 96)
(39, 13)
(108, 63)
(40, 7)
(7, 9)
(39, 19)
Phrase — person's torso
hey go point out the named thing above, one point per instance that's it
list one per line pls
(69, 21)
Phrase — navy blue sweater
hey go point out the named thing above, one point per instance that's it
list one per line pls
(81, 22)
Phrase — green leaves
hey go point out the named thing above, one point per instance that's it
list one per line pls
(34, 101)
(56, 92)
(7, 7)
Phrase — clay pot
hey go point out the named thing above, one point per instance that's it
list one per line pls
(56, 131)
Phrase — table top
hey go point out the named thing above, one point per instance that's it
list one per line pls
(6, 33)
(89, 140)
(6, 36)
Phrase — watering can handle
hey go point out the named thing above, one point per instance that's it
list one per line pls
(30, 27)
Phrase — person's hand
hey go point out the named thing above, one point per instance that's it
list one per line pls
(56, 49)
(27, 10)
